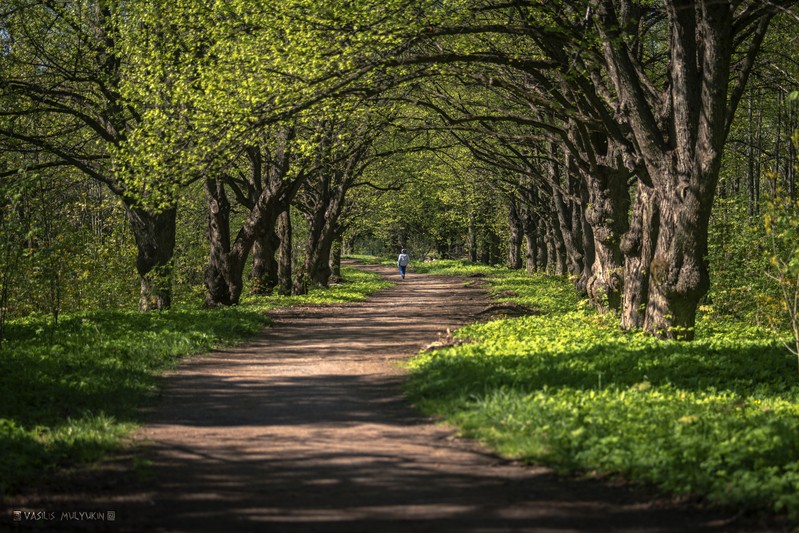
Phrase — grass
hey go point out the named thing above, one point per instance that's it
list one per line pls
(69, 394)
(716, 418)
(444, 267)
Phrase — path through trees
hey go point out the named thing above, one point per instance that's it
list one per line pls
(306, 429)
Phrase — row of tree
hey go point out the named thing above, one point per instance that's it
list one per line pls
(622, 96)
(596, 128)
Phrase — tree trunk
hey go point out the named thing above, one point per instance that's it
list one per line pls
(496, 254)
(335, 260)
(472, 240)
(264, 269)
(217, 272)
(570, 246)
(323, 230)
(638, 247)
(541, 255)
(312, 252)
(679, 275)
(321, 271)
(589, 252)
(530, 238)
(558, 245)
(155, 242)
(607, 213)
(285, 253)
(224, 275)
(680, 135)
(515, 236)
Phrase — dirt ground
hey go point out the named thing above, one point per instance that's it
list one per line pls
(306, 429)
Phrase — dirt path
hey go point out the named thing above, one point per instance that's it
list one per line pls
(306, 429)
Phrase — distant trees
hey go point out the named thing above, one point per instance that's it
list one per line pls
(633, 93)
(587, 139)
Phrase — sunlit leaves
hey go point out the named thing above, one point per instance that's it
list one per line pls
(208, 76)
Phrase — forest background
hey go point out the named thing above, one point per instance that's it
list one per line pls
(202, 155)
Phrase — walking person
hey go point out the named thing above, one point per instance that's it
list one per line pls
(402, 262)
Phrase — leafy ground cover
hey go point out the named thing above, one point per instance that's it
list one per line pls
(716, 418)
(71, 392)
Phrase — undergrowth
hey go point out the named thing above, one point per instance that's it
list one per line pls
(70, 392)
(565, 387)
(447, 267)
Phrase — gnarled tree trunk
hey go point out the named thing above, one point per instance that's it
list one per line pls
(264, 265)
(154, 233)
(607, 213)
(679, 273)
(322, 231)
(570, 243)
(680, 127)
(224, 276)
(638, 247)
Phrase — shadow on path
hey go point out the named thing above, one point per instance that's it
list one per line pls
(306, 429)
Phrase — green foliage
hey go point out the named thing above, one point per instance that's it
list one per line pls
(209, 76)
(716, 417)
(357, 286)
(65, 247)
(69, 392)
(737, 254)
(781, 222)
(782, 227)
(449, 267)
(437, 197)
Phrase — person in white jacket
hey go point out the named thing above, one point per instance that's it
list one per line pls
(402, 262)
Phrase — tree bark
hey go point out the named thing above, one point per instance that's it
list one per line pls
(322, 228)
(308, 270)
(679, 133)
(515, 235)
(607, 213)
(558, 245)
(285, 253)
(541, 254)
(218, 269)
(679, 271)
(264, 275)
(570, 246)
(154, 234)
(589, 249)
(224, 275)
(638, 247)
(530, 238)
(335, 259)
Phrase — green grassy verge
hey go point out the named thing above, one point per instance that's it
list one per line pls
(717, 418)
(444, 267)
(71, 393)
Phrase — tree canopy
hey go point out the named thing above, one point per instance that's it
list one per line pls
(589, 139)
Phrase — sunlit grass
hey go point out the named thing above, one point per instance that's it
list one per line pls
(445, 267)
(564, 387)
